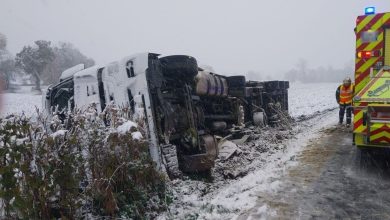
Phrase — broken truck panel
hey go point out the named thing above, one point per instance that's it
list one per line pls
(86, 88)
(125, 83)
(184, 106)
(372, 81)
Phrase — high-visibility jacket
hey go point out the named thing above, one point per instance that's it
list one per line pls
(344, 94)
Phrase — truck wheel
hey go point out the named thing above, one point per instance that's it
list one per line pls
(236, 81)
(171, 161)
(179, 66)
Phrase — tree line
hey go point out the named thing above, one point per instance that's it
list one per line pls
(43, 61)
(303, 73)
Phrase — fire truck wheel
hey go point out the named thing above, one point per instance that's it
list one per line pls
(236, 81)
(179, 66)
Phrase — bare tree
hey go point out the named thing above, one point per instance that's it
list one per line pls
(7, 64)
(3, 42)
(65, 56)
(34, 59)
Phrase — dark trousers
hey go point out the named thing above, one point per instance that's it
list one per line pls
(343, 108)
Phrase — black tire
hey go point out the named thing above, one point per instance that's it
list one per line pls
(180, 66)
(171, 161)
(236, 81)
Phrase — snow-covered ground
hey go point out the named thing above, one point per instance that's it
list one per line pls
(304, 99)
(23, 100)
(309, 99)
(231, 198)
(314, 104)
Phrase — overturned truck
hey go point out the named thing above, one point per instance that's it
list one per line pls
(184, 107)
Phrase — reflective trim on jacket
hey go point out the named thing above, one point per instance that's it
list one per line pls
(346, 94)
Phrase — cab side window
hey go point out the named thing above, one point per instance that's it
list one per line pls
(130, 69)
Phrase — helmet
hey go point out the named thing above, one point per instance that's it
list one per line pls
(347, 80)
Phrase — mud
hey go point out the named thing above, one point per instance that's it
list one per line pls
(330, 181)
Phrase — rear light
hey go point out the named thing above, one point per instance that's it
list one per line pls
(369, 54)
(364, 54)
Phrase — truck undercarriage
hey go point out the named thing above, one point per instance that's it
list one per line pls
(189, 107)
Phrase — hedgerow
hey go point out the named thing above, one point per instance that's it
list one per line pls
(78, 164)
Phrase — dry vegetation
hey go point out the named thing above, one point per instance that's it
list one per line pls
(77, 165)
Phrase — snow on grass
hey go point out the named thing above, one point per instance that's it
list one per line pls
(311, 98)
(20, 102)
(136, 135)
(304, 99)
(125, 127)
(59, 133)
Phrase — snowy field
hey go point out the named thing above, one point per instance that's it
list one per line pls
(22, 101)
(309, 99)
(304, 99)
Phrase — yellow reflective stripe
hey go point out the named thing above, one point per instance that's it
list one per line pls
(358, 43)
(385, 18)
(387, 48)
(363, 23)
(356, 118)
(367, 64)
(379, 135)
(359, 140)
(360, 27)
(359, 129)
(362, 83)
(357, 60)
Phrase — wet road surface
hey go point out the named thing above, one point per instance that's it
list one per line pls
(331, 180)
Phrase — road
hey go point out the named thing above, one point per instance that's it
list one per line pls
(330, 182)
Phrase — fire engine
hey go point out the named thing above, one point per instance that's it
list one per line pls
(371, 102)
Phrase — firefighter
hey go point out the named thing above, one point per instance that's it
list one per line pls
(344, 95)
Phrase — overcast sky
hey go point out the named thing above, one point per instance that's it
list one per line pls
(231, 36)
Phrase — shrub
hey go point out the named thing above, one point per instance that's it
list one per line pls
(76, 165)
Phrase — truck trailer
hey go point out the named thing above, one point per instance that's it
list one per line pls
(184, 106)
